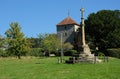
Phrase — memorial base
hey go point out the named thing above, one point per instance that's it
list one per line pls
(84, 56)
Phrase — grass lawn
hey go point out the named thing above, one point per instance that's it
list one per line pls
(47, 68)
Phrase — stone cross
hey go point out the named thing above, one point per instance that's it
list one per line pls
(83, 25)
(85, 47)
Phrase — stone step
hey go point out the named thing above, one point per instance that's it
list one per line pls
(78, 58)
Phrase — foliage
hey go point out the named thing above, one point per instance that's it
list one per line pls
(70, 52)
(114, 52)
(34, 42)
(17, 44)
(37, 42)
(35, 52)
(114, 38)
(103, 29)
(2, 41)
(41, 37)
(3, 46)
(51, 43)
(67, 46)
(47, 68)
(3, 53)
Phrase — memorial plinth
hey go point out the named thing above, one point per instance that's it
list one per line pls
(85, 54)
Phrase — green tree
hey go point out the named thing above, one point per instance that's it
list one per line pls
(2, 41)
(37, 42)
(103, 29)
(51, 43)
(41, 37)
(67, 46)
(2, 46)
(17, 44)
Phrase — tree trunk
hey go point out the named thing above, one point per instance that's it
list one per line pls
(19, 57)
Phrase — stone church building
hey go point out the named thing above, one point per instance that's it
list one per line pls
(68, 31)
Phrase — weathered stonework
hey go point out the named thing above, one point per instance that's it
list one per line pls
(84, 54)
(69, 31)
(67, 28)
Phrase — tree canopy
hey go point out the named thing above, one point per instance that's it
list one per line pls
(17, 44)
(51, 43)
(1, 41)
(103, 28)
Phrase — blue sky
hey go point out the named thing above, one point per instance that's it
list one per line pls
(41, 16)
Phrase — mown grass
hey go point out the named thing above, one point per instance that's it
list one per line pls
(48, 68)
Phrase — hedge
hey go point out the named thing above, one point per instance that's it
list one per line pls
(70, 52)
(35, 52)
(114, 52)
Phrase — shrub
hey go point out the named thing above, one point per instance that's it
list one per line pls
(114, 52)
(35, 52)
(3, 53)
(70, 52)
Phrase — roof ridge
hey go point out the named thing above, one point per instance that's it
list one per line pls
(66, 21)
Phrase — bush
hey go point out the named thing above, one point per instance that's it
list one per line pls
(35, 52)
(114, 52)
(70, 53)
(3, 53)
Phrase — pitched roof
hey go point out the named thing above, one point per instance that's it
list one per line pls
(67, 21)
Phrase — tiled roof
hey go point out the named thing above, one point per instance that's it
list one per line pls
(67, 21)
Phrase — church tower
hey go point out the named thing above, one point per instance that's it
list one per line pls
(67, 30)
